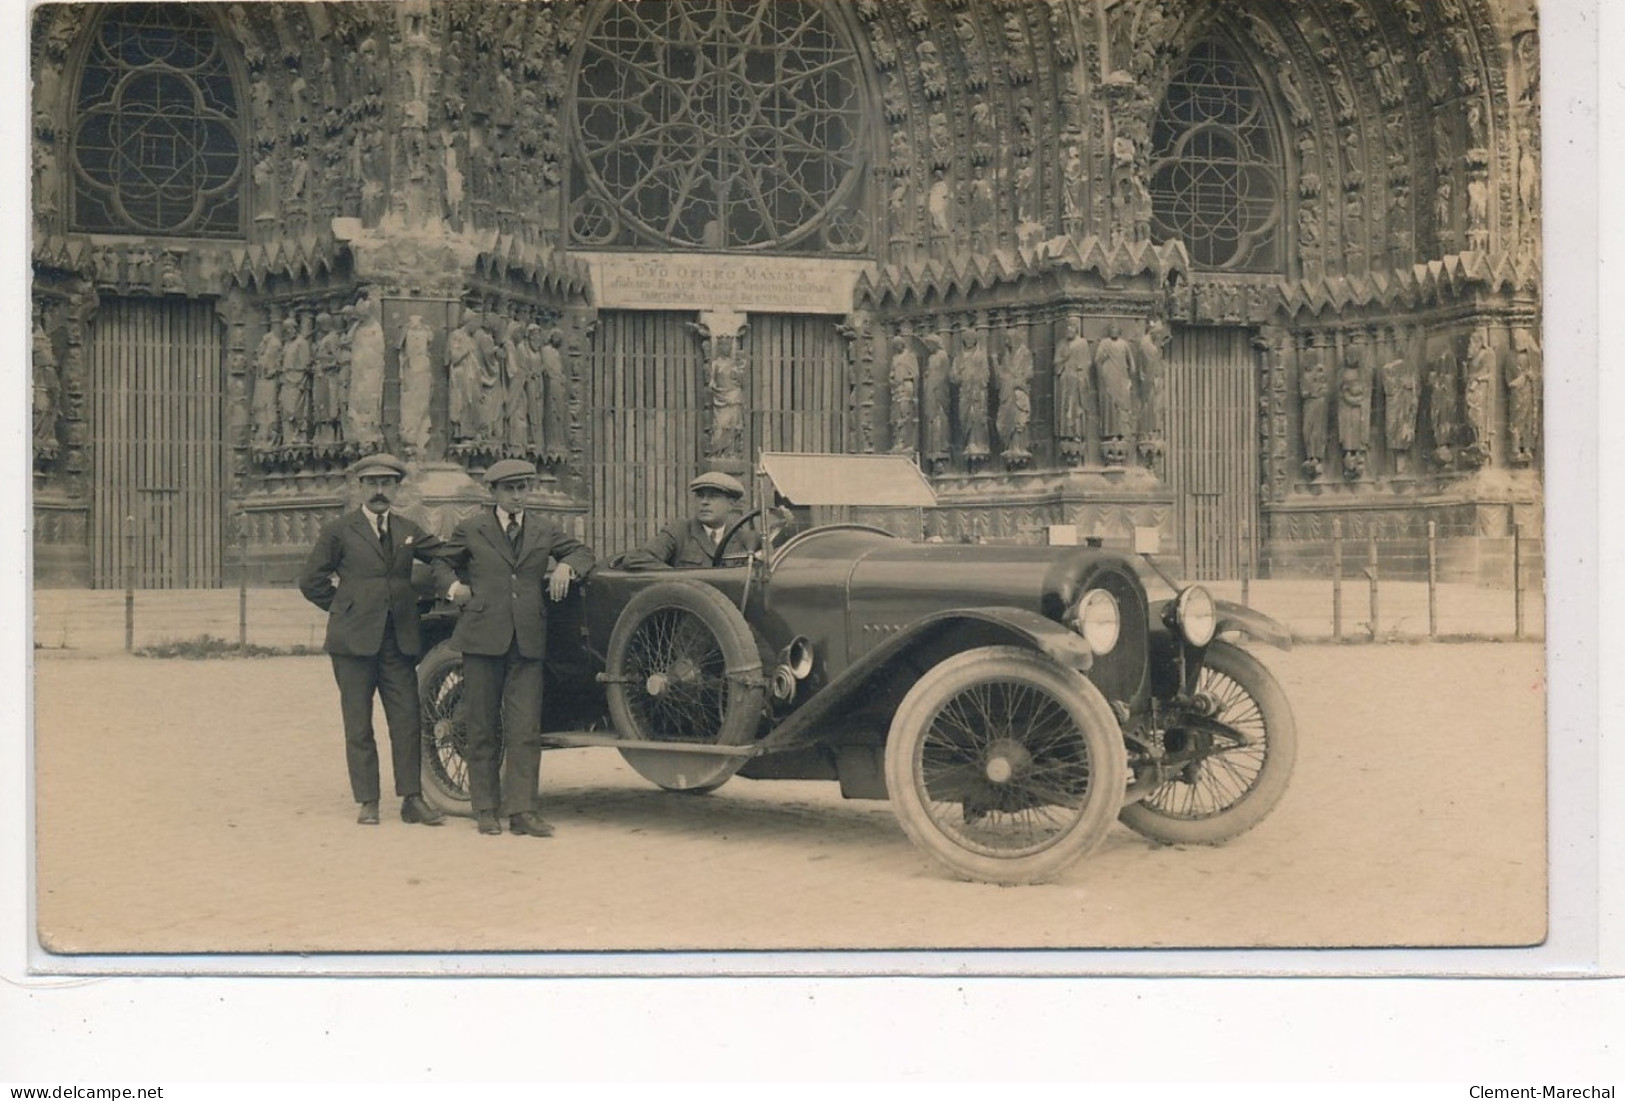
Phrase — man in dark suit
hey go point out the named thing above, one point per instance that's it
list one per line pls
(694, 542)
(499, 557)
(372, 633)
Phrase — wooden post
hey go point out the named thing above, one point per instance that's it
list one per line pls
(129, 584)
(1337, 578)
(1246, 565)
(1371, 572)
(1517, 580)
(242, 582)
(1433, 579)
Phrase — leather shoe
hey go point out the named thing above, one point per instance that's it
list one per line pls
(417, 811)
(531, 824)
(368, 815)
(488, 822)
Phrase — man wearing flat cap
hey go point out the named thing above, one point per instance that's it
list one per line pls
(499, 557)
(373, 636)
(694, 542)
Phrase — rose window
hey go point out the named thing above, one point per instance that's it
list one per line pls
(718, 124)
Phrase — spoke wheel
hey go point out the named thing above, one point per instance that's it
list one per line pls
(683, 667)
(1005, 767)
(445, 769)
(1226, 769)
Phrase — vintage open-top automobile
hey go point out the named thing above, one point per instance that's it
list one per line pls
(1011, 701)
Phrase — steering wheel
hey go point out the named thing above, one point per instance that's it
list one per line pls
(727, 536)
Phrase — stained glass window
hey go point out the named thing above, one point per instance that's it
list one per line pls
(156, 147)
(1215, 172)
(721, 124)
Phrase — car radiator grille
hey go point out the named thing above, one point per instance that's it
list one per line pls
(1121, 674)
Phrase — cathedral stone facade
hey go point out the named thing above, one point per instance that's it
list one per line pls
(1257, 274)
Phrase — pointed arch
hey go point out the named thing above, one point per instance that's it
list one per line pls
(1217, 177)
(156, 142)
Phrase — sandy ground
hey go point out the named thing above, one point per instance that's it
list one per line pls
(187, 806)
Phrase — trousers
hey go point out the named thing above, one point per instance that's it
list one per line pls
(502, 709)
(392, 676)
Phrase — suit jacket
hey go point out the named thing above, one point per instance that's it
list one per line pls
(371, 589)
(509, 600)
(687, 543)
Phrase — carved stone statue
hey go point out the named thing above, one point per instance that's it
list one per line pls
(1483, 368)
(1114, 381)
(325, 409)
(939, 204)
(518, 382)
(1523, 375)
(1074, 180)
(970, 375)
(365, 415)
(492, 372)
(267, 376)
(1353, 413)
(1443, 403)
(725, 388)
(1401, 398)
(1016, 401)
(417, 384)
(347, 322)
(934, 401)
(905, 408)
(466, 371)
(47, 394)
(555, 442)
(293, 390)
(1151, 378)
(1478, 214)
(526, 399)
(1314, 389)
(1072, 396)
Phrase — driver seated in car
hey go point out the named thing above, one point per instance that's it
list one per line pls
(694, 542)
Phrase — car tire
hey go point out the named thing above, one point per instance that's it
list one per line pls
(683, 666)
(440, 696)
(1203, 805)
(984, 750)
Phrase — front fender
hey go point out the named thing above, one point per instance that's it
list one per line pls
(896, 663)
(1236, 618)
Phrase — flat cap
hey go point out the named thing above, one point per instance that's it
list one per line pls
(503, 469)
(381, 463)
(717, 480)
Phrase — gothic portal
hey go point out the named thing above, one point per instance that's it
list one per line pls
(1239, 272)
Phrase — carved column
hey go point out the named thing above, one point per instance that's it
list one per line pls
(858, 331)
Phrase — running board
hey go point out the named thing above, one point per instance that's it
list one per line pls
(585, 740)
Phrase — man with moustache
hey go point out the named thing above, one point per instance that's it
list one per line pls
(373, 636)
(499, 557)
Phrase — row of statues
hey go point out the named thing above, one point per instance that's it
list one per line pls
(1458, 393)
(1117, 387)
(319, 378)
(319, 382)
(508, 387)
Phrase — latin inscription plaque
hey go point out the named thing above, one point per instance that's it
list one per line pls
(749, 284)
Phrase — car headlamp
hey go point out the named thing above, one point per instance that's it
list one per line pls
(1099, 620)
(1195, 615)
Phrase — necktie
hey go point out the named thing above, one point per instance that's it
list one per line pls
(383, 536)
(512, 531)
